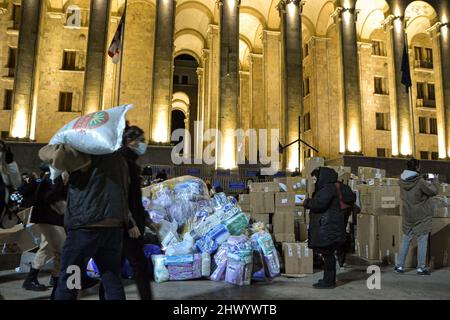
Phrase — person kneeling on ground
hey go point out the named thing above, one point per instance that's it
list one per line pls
(416, 193)
(326, 231)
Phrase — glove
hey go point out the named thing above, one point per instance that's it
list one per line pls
(9, 157)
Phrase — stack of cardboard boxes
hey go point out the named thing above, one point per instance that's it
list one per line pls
(379, 226)
(440, 234)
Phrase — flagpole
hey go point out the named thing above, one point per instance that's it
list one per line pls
(121, 51)
(411, 101)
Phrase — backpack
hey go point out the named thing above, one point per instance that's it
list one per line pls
(347, 197)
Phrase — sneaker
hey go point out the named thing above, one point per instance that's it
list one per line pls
(423, 272)
(33, 286)
(399, 270)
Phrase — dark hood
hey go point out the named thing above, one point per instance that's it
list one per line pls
(326, 175)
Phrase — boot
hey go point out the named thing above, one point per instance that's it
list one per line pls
(31, 281)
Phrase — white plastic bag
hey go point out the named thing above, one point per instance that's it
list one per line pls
(96, 133)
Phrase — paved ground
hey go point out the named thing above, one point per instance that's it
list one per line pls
(351, 285)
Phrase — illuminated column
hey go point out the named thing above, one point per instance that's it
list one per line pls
(439, 86)
(96, 55)
(198, 127)
(229, 82)
(350, 122)
(162, 71)
(24, 79)
(291, 22)
(272, 79)
(258, 108)
(401, 121)
(442, 70)
(245, 110)
(213, 54)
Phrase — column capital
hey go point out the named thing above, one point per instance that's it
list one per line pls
(3, 11)
(213, 29)
(435, 30)
(337, 13)
(281, 6)
(205, 54)
(199, 71)
(219, 3)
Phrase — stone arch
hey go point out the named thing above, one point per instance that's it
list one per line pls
(189, 52)
(419, 16)
(323, 19)
(255, 13)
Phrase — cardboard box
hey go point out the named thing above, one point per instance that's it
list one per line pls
(444, 190)
(440, 243)
(298, 258)
(301, 231)
(244, 199)
(264, 187)
(282, 180)
(296, 184)
(264, 218)
(390, 239)
(379, 200)
(366, 244)
(283, 221)
(311, 164)
(366, 173)
(284, 237)
(262, 202)
(344, 173)
(289, 199)
(245, 207)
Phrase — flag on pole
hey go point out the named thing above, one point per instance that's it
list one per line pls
(115, 48)
(406, 70)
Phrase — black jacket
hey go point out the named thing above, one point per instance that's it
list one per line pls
(326, 228)
(134, 190)
(98, 197)
(45, 194)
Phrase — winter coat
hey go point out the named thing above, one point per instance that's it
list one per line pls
(45, 194)
(416, 194)
(134, 191)
(97, 190)
(326, 228)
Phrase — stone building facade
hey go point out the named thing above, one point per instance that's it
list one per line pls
(329, 69)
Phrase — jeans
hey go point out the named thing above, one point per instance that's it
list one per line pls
(422, 243)
(104, 245)
(133, 250)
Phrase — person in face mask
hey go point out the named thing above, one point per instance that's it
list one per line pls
(134, 146)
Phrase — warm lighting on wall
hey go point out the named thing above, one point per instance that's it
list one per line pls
(394, 139)
(160, 131)
(341, 138)
(405, 144)
(19, 127)
(228, 151)
(33, 119)
(354, 143)
(293, 157)
(291, 9)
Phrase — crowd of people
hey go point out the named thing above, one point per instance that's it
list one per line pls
(94, 210)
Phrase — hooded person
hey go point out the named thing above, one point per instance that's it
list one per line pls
(416, 193)
(326, 231)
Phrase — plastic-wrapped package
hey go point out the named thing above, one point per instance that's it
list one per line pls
(237, 224)
(232, 200)
(209, 223)
(181, 248)
(160, 272)
(206, 265)
(273, 264)
(235, 272)
(197, 266)
(180, 272)
(179, 260)
(219, 273)
(95, 133)
(206, 244)
(262, 241)
(167, 233)
(219, 234)
(220, 200)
